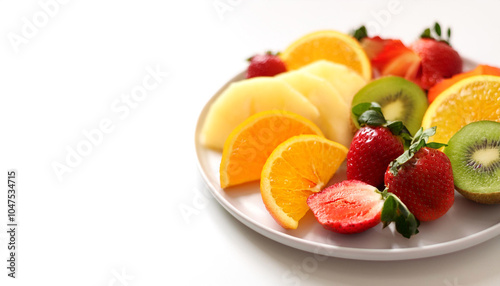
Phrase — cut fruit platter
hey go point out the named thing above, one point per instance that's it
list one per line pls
(358, 147)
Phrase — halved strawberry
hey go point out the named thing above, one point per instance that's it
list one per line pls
(353, 206)
(397, 59)
(373, 45)
(388, 56)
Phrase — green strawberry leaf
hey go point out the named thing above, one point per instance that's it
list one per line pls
(395, 165)
(271, 53)
(394, 210)
(418, 135)
(416, 143)
(362, 107)
(425, 134)
(360, 33)
(436, 145)
(419, 141)
(436, 30)
(399, 129)
(396, 127)
(426, 34)
(371, 118)
(369, 113)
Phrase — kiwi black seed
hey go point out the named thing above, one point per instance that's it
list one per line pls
(399, 98)
(474, 152)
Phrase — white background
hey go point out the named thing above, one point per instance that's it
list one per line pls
(115, 219)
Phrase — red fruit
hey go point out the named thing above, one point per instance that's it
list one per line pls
(373, 45)
(347, 207)
(426, 62)
(424, 182)
(397, 59)
(438, 61)
(353, 206)
(375, 145)
(371, 151)
(265, 65)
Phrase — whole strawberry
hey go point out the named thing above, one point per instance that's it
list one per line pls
(376, 144)
(422, 178)
(268, 64)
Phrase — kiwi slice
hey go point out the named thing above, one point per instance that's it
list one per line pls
(399, 98)
(474, 152)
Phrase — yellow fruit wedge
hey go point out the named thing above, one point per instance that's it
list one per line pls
(328, 45)
(342, 78)
(334, 118)
(298, 167)
(250, 144)
(247, 97)
(469, 100)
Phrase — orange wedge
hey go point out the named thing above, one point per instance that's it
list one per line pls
(298, 167)
(251, 142)
(328, 45)
(471, 99)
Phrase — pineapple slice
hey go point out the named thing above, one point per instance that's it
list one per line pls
(247, 97)
(342, 78)
(334, 119)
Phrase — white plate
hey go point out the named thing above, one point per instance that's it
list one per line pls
(466, 223)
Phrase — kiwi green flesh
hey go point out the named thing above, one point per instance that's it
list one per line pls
(399, 98)
(474, 153)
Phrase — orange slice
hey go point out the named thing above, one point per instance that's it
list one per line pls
(471, 99)
(328, 45)
(298, 167)
(250, 143)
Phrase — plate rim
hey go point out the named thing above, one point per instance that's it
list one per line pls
(330, 250)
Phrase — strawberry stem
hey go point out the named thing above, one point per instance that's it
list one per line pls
(270, 53)
(394, 210)
(418, 142)
(370, 113)
(428, 34)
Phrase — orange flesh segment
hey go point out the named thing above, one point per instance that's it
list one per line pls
(298, 167)
(250, 144)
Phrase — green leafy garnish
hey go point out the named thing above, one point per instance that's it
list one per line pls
(394, 210)
(360, 33)
(419, 141)
(426, 33)
(436, 30)
(370, 114)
